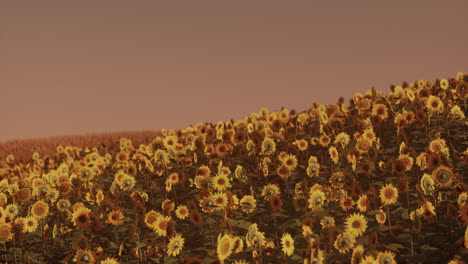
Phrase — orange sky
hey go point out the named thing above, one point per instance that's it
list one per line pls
(74, 67)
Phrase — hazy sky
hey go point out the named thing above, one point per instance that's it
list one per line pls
(73, 67)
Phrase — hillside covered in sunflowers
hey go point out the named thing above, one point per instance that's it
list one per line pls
(383, 180)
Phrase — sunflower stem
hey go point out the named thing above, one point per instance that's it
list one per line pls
(388, 213)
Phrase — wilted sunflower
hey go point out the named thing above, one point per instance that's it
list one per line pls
(427, 184)
(268, 146)
(358, 254)
(386, 257)
(333, 154)
(356, 224)
(221, 182)
(342, 139)
(283, 171)
(381, 216)
(316, 200)
(275, 203)
(40, 210)
(443, 176)
(287, 243)
(327, 222)
(176, 243)
(151, 217)
(81, 218)
(248, 203)
(115, 217)
(30, 224)
(388, 194)
(225, 247)
(344, 242)
(182, 212)
(84, 256)
(427, 210)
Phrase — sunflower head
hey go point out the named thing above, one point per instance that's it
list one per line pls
(356, 224)
(287, 243)
(388, 194)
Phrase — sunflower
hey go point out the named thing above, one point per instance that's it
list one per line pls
(115, 217)
(380, 110)
(275, 203)
(221, 182)
(225, 247)
(462, 198)
(344, 242)
(86, 173)
(109, 260)
(301, 144)
(427, 210)
(13, 209)
(457, 112)
(127, 183)
(30, 224)
(386, 257)
(248, 203)
(363, 203)
(434, 104)
(427, 184)
(220, 199)
(324, 140)
(268, 146)
(173, 178)
(368, 260)
(356, 224)
(333, 154)
(290, 161)
(358, 254)
(287, 243)
(381, 217)
(161, 224)
(182, 212)
(443, 176)
(221, 150)
(6, 232)
(327, 222)
(283, 171)
(84, 256)
(342, 139)
(40, 210)
(207, 204)
(169, 142)
(176, 243)
(316, 200)
(313, 170)
(388, 194)
(270, 190)
(81, 218)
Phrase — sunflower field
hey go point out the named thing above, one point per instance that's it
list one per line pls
(383, 180)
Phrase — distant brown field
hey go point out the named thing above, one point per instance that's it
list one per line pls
(23, 149)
